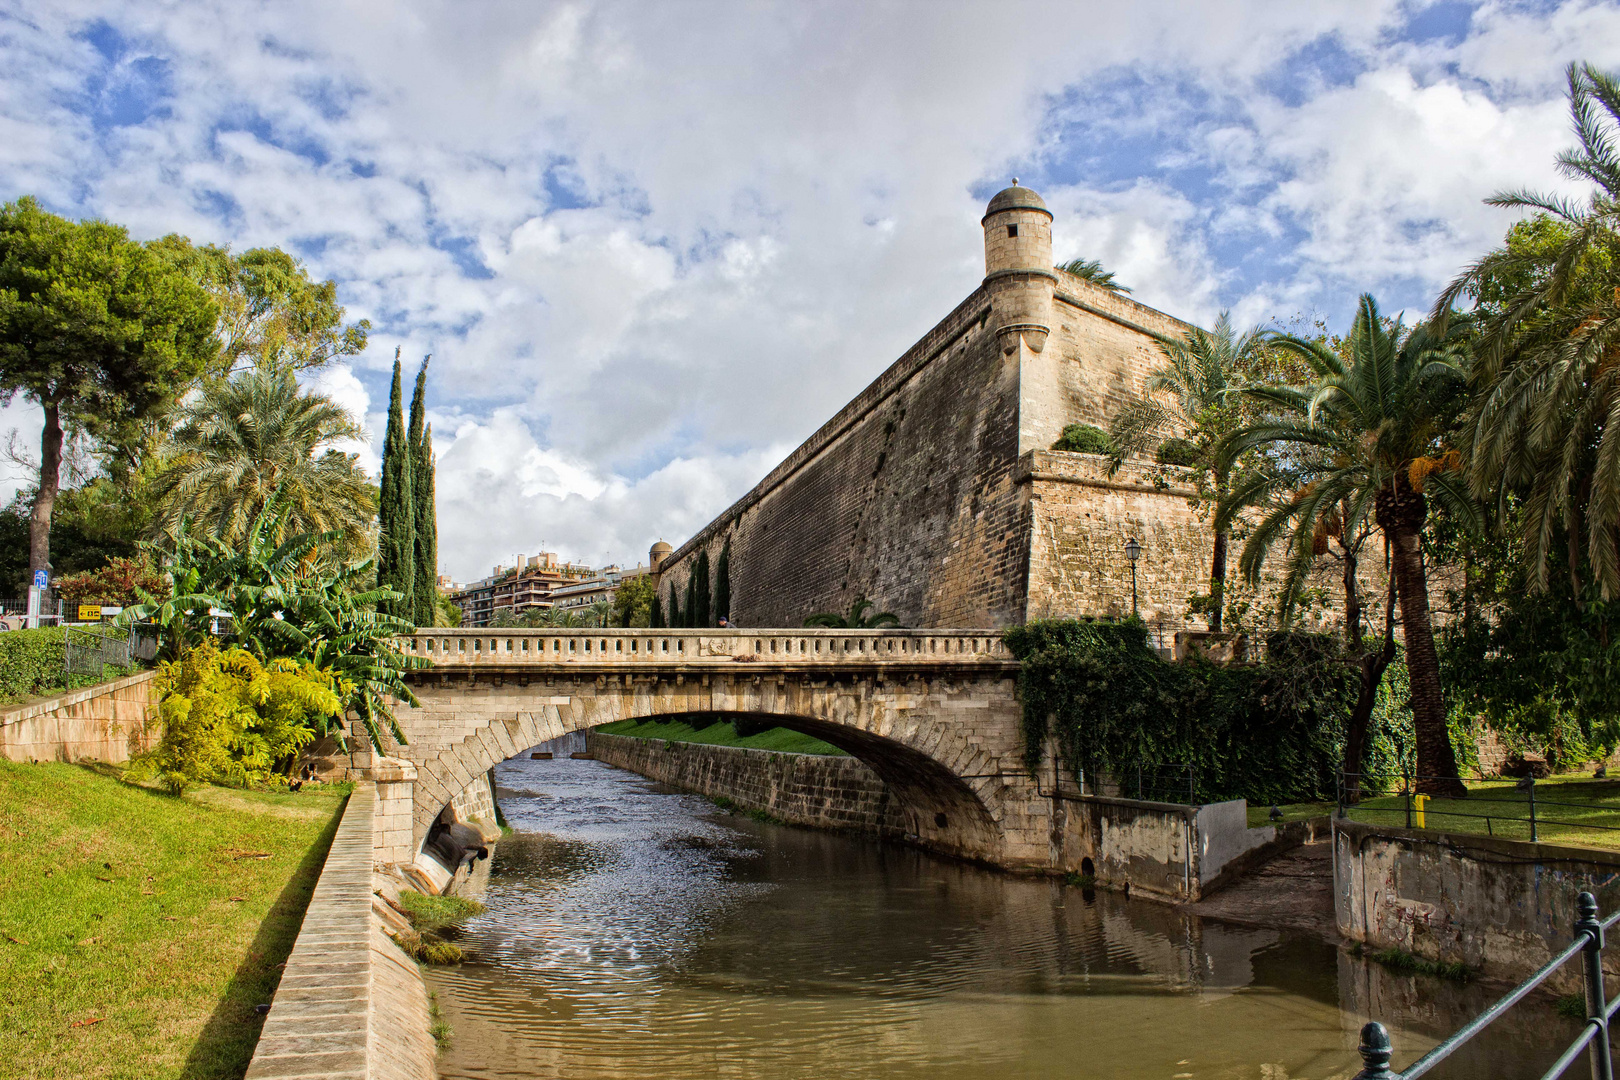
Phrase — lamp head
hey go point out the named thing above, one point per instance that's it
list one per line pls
(1133, 550)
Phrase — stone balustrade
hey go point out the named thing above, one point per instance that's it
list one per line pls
(507, 647)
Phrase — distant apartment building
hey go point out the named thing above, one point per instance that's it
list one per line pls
(540, 581)
(527, 584)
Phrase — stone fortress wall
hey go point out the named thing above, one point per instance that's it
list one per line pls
(934, 493)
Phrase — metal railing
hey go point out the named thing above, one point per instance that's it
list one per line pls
(1416, 807)
(87, 649)
(1376, 1049)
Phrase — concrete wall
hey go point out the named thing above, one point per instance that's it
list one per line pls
(1504, 906)
(1161, 850)
(107, 722)
(825, 791)
(351, 1005)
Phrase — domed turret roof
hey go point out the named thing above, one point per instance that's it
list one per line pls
(661, 548)
(1016, 198)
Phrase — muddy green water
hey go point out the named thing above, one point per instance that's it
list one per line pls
(633, 931)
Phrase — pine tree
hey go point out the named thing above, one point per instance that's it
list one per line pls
(396, 520)
(722, 583)
(674, 607)
(426, 556)
(704, 599)
(656, 619)
(689, 615)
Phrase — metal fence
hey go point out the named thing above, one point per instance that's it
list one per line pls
(11, 610)
(1499, 803)
(1376, 1050)
(89, 649)
(1163, 783)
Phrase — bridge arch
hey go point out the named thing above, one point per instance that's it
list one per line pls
(933, 714)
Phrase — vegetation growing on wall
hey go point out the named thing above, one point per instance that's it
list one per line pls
(1268, 733)
(1084, 439)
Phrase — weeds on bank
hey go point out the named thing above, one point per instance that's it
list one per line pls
(1080, 881)
(428, 915)
(1409, 964)
(439, 1027)
(1572, 1006)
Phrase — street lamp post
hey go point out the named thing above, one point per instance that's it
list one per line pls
(1133, 551)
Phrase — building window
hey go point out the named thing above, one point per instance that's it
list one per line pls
(1012, 231)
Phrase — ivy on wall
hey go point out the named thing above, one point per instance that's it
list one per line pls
(1269, 732)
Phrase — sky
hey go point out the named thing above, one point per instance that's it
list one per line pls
(653, 246)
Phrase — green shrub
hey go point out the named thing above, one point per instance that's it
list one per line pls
(1084, 439)
(230, 719)
(31, 662)
(1182, 452)
(1270, 733)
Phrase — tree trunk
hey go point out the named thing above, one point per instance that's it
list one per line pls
(1370, 672)
(1400, 515)
(1352, 603)
(1217, 582)
(50, 479)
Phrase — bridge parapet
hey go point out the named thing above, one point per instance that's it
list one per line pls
(512, 647)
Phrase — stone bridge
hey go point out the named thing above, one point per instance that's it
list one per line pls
(932, 712)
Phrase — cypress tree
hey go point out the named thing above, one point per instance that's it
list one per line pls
(689, 616)
(425, 518)
(674, 607)
(701, 615)
(722, 583)
(656, 619)
(396, 519)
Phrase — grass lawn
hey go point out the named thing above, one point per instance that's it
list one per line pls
(723, 734)
(1497, 809)
(138, 930)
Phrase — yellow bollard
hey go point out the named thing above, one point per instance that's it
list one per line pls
(1417, 809)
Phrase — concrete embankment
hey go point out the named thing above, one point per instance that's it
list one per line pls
(821, 790)
(106, 722)
(351, 1004)
(1504, 907)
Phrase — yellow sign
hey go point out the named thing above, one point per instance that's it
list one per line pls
(89, 612)
(1419, 801)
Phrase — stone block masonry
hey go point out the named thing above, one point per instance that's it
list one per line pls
(825, 791)
(350, 1005)
(106, 722)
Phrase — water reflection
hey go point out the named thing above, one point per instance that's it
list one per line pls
(635, 932)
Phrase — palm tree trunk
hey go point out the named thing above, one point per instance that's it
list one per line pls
(50, 480)
(1401, 514)
(1370, 672)
(1217, 581)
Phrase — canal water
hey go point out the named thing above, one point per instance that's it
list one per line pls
(633, 931)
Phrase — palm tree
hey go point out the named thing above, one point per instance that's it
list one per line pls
(243, 439)
(1195, 392)
(1092, 270)
(856, 619)
(1299, 513)
(1546, 370)
(1371, 431)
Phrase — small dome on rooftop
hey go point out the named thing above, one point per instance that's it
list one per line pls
(1015, 198)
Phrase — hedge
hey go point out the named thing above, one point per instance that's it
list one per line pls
(31, 662)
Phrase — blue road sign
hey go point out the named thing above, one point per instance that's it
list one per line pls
(39, 579)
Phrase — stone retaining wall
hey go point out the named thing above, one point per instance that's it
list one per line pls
(1503, 906)
(106, 722)
(351, 1005)
(825, 791)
